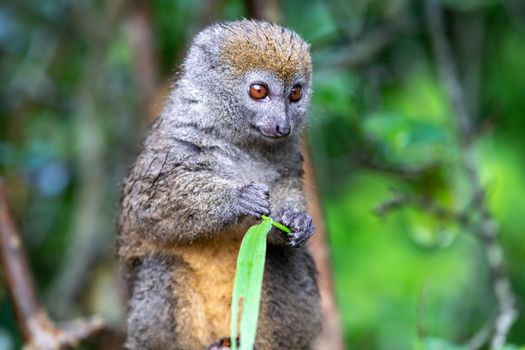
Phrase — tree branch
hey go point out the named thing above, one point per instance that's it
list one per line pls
(267, 10)
(331, 336)
(446, 65)
(145, 61)
(424, 203)
(38, 331)
(405, 173)
(370, 44)
(486, 229)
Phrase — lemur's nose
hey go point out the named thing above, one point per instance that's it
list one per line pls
(283, 130)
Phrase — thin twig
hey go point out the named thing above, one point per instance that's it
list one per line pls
(425, 203)
(405, 173)
(264, 10)
(486, 229)
(370, 44)
(361, 49)
(481, 336)
(39, 332)
(446, 65)
(145, 61)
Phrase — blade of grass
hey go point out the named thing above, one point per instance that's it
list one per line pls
(247, 284)
(278, 225)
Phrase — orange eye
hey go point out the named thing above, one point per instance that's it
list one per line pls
(258, 91)
(296, 94)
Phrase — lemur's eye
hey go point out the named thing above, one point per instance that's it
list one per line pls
(258, 91)
(296, 94)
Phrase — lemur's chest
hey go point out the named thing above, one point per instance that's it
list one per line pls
(244, 168)
(206, 287)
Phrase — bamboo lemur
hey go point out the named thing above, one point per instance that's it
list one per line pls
(224, 151)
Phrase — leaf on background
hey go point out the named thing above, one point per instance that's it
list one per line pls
(247, 284)
(408, 141)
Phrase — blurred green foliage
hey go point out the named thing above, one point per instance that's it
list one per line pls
(72, 117)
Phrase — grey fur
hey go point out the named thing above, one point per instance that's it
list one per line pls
(205, 169)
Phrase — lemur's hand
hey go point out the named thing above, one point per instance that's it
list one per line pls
(301, 225)
(254, 200)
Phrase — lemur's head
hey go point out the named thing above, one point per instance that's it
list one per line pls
(258, 73)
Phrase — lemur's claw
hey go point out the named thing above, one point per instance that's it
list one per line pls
(254, 200)
(301, 225)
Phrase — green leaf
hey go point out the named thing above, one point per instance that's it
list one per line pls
(278, 225)
(247, 284)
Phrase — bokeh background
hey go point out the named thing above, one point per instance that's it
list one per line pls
(81, 80)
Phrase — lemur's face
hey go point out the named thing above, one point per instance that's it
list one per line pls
(274, 109)
(258, 75)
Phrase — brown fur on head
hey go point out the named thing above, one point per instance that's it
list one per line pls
(261, 45)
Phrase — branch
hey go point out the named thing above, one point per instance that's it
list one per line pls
(145, 62)
(488, 233)
(446, 65)
(331, 336)
(361, 50)
(266, 10)
(38, 331)
(424, 203)
(370, 44)
(486, 230)
(402, 172)
(480, 337)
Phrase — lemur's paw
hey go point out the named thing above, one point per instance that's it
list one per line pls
(301, 225)
(222, 344)
(254, 200)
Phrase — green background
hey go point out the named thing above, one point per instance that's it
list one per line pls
(73, 113)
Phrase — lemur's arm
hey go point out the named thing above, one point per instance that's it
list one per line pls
(176, 199)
